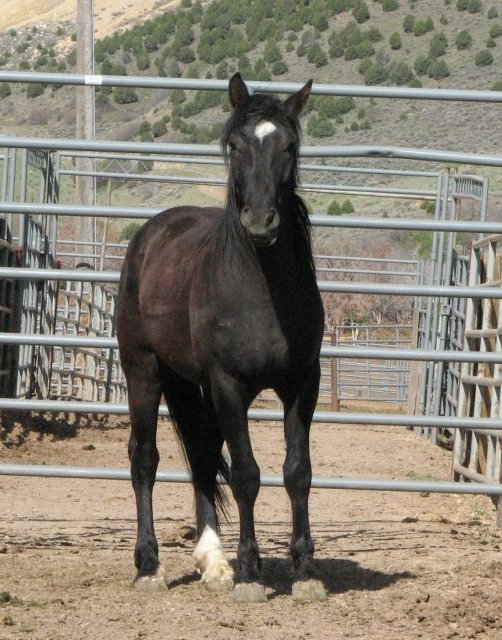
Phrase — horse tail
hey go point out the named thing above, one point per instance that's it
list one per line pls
(201, 440)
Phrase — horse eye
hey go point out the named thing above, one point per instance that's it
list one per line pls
(232, 146)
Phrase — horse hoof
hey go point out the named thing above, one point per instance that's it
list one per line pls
(218, 579)
(249, 592)
(309, 591)
(153, 583)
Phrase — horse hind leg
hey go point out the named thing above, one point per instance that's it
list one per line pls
(144, 396)
(202, 443)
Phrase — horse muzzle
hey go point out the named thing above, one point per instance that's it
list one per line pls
(262, 229)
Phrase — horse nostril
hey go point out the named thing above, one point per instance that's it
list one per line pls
(272, 218)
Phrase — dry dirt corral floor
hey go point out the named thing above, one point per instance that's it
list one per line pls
(396, 565)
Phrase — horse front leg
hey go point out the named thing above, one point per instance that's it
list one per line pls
(299, 404)
(144, 392)
(231, 401)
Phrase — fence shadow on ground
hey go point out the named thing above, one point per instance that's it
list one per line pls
(16, 426)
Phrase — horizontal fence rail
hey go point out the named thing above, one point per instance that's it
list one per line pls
(96, 80)
(324, 285)
(352, 222)
(371, 353)
(338, 417)
(266, 480)
(354, 151)
(217, 182)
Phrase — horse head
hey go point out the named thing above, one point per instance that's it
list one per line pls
(261, 143)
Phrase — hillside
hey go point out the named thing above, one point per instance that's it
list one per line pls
(110, 15)
(447, 43)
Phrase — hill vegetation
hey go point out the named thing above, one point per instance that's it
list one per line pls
(397, 42)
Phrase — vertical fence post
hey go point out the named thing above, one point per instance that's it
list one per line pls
(335, 400)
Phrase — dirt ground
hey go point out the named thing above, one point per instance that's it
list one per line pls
(395, 565)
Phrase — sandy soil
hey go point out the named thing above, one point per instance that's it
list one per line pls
(110, 15)
(395, 565)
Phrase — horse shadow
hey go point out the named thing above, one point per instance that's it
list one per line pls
(338, 575)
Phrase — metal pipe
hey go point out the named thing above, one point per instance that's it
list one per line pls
(344, 287)
(352, 151)
(267, 480)
(371, 353)
(220, 162)
(220, 182)
(352, 222)
(346, 418)
(462, 95)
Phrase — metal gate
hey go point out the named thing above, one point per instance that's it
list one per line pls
(439, 291)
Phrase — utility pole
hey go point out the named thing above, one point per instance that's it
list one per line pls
(85, 130)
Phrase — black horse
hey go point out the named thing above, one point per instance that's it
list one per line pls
(216, 305)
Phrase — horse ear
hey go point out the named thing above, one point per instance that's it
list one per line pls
(237, 91)
(295, 104)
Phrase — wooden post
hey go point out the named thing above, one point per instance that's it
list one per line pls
(335, 400)
(85, 123)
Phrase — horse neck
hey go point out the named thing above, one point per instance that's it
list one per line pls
(288, 264)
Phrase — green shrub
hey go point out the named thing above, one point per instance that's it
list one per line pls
(127, 232)
(143, 61)
(490, 43)
(279, 68)
(483, 58)
(335, 208)
(428, 206)
(144, 127)
(462, 5)
(422, 27)
(373, 34)
(401, 73)
(336, 47)
(317, 56)
(34, 90)
(492, 13)
(438, 45)
(463, 40)
(5, 90)
(347, 207)
(496, 30)
(375, 73)
(271, 53)
(408, 23)
(421, 65)
(125, 95)
(474, 6)
(159, 128)
(319, 127)
(360, 11)
(395, 41)
(438, 69)
(177, 96)
(390, 5)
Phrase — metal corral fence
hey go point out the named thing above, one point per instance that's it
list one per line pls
(476, 455)
(434, 341)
